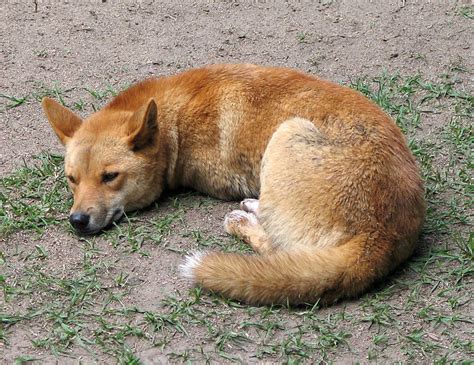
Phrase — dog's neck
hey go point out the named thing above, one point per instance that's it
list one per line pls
(170, 146)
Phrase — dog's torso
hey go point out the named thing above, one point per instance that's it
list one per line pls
(218, 121)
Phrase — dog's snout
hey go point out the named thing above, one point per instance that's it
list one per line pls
(79, 221)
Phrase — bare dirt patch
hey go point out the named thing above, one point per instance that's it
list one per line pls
(117, 297)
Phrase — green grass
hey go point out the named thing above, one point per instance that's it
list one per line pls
(92, 101)
(466, 12)
(303, 37)
(91, 299)
(35, 196)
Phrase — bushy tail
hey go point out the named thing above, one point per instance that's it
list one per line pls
(303, 275)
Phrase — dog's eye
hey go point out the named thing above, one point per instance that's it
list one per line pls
(109, 176)
(71, 179)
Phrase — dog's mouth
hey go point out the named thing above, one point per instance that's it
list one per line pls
(116, 215)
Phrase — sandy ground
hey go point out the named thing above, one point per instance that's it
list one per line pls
(94, 44)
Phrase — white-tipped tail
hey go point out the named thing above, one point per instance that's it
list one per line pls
(187, 268)
(297, 276)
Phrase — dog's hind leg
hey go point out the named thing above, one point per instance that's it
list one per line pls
(245, 225)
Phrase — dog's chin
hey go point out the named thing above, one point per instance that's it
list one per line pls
(89, 232)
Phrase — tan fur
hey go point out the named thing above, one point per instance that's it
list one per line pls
(341, 201)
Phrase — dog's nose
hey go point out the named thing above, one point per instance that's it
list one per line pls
(79, 221)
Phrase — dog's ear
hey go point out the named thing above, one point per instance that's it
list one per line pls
(64, 122)
(142, 127)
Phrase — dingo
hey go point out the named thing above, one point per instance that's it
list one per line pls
(340, 197)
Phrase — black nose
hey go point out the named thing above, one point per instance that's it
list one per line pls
(79, 221)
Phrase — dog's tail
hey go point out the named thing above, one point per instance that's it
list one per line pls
(303, 275)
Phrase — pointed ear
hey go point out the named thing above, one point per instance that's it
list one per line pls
(142, 127)
(64, 122)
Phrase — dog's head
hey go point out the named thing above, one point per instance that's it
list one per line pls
(113, 161)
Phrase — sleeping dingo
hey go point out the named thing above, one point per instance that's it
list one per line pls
(340, 200)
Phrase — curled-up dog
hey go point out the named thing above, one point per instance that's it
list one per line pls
(340, 200)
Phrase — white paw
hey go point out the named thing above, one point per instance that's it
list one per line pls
(249, 205)
(238, 218)
(191, 262)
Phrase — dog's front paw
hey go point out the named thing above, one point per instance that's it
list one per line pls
(236, 220)
(249, 205)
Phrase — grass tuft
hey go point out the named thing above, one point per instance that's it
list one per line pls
(35, 196)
